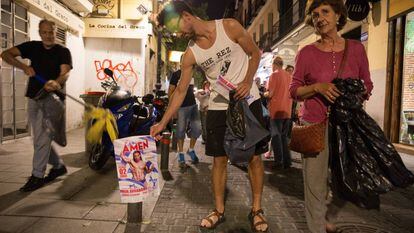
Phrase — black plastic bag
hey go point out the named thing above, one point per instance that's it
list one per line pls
(363, 162)
(241, 150)
(235, 117)
(54, 118)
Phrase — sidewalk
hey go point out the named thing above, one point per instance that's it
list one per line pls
(188, 198)
(88, 201)
(82, 201)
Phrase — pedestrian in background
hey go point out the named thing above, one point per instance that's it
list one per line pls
(289, 69)
(203, 96)
(188, 120)
(295, 104)
(280, 111)
(317, 64)
(52, 62)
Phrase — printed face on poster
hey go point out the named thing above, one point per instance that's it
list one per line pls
(137, 168)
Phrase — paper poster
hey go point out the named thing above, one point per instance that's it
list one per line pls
(223, 87)
(137, 168)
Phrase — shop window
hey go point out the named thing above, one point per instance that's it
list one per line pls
(6, 5)
(21, 12)
(407, 101)
(14, 31)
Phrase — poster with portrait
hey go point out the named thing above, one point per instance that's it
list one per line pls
(137, 168)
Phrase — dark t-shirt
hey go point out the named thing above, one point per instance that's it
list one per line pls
(189, 97)
(45, 62)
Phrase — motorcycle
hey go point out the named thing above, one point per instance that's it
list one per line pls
(133, 117)
(160, 100)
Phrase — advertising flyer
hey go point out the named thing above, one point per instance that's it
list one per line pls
(137, 168)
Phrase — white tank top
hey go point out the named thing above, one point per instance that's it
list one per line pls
(225, 58)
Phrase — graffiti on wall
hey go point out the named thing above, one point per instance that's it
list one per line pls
(124, 73)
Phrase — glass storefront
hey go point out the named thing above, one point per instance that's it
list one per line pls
(13, 104)
(407, 101)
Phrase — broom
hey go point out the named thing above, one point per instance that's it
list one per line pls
(102, 118)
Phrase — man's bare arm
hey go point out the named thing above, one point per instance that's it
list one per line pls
(171, 89)
(53, 85)
(239, 35)
(64, 74)
(10, 57)
(178, 96)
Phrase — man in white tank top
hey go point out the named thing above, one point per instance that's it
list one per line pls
(226, 52)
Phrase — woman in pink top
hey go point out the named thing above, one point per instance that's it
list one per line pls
(317, 64)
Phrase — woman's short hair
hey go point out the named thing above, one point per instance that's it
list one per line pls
(174, 7)
(337, 5)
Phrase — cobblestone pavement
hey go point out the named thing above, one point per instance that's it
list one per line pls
(88, 201)
(188, 198)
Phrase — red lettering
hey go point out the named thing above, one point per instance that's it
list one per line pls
(125, 149)
(133, 147)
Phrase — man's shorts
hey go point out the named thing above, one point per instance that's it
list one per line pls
(188, 121)
(216, 128)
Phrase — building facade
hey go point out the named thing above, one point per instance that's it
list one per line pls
(114, 34)
(385, 29)
(19, 23)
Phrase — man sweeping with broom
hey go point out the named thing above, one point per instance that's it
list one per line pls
(48, 72)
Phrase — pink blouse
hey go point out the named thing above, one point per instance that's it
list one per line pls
(314, 66)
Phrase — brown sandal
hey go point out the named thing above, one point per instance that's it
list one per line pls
(220, 219)
(259, 213)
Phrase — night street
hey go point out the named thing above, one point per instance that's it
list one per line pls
(87, 201)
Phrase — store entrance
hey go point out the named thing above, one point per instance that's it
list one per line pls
(14, 31)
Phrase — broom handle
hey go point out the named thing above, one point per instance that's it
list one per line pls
(40, 79)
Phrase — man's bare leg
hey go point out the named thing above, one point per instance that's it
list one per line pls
(256, 174)
(192, 142)
(191, 151)
(181, 159)
(180, 144)
(219, 177)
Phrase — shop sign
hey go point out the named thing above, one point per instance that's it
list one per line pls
(364, 37)
(399, 7)
(115, 28)
(357, 9)
(105, 8)
(135, 9)
(49, 8)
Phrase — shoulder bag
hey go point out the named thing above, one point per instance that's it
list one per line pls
(310, 139)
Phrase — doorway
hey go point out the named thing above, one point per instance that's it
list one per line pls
(14, 31)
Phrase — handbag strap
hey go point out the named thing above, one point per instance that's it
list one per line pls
(344, 58)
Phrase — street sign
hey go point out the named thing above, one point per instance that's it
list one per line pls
(357, 9)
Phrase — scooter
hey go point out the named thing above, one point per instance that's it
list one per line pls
(133, 117)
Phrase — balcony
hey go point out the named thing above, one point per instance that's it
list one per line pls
(253, 10)
(258, 4)
(265, 42)
(288, 21)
